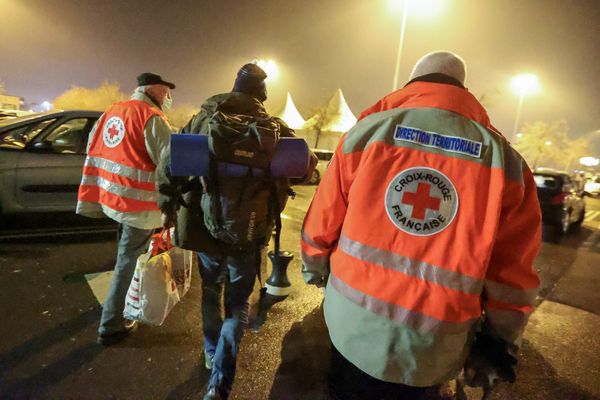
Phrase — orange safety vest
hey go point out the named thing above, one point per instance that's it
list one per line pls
(118, 172)
(424, 217)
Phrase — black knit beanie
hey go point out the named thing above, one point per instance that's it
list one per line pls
(251, 80)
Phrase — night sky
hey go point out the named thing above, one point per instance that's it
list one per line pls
(48, 45)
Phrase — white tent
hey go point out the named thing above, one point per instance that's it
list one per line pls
(338, 116)
(290, 114)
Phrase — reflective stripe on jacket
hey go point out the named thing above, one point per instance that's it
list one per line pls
(425, 217)
(118, 173)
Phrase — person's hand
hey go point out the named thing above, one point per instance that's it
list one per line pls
(489, 363)
(479, 372)
(168, 220)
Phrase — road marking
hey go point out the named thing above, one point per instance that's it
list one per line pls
(99, 283)
(52, 232)
(591, 215)
(285, 216)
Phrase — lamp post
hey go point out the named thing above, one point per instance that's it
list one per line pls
(523, 85)
(400, 44)
(417, 7)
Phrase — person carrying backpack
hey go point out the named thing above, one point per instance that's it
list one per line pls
(233, 215)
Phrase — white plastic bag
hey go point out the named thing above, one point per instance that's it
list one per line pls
(159, 282)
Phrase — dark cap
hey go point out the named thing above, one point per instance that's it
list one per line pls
(251, 80)
(148, 78)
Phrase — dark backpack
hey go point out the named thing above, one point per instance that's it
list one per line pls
(242, 210)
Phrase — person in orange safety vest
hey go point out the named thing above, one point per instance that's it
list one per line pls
(119, 182)
(424, 231)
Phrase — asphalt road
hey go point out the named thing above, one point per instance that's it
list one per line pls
(49, 317)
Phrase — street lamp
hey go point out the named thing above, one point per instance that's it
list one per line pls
(270, 67)
(523, 85)
(589, 161)
(418, 7)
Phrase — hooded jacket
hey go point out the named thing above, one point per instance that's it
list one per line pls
(425, 220)
(190, 227)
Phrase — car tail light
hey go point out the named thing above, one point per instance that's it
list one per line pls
(559, 198)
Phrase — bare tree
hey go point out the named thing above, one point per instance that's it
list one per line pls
(179, 115)
(550, 144)
(317, 122)
(574, 150)
(97, 99)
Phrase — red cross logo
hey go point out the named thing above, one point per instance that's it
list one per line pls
(421, 201)
(112, 132)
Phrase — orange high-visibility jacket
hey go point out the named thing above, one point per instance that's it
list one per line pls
(118, 172)
(425, 218)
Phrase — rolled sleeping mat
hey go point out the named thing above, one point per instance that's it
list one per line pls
(190, 157)
(290, 158)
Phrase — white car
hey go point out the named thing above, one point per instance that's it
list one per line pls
(41, 160)
(592, 186)
(324, 157)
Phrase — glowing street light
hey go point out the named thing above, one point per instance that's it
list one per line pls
(523, 85)
(46, 105)
(270, 67)
(417, 8)
(548, 142)
(589, 161)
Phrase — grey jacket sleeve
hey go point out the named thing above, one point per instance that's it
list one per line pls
(157, 134)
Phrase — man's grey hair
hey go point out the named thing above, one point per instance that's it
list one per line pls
(441, 62)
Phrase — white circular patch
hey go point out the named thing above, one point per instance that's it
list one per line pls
(421, 201)
(114, 132)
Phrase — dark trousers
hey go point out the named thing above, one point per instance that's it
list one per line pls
(233, 275)
(347, 382)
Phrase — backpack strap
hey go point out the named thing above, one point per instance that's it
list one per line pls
(213, 174)
(188, 186)
(213, 180)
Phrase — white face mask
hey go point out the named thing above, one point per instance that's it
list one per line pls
(167, 103)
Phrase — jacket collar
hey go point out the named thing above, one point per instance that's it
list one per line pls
(423, 94)
(437, 78)
(146, 98)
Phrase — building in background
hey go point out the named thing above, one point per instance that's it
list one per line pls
(8, 102)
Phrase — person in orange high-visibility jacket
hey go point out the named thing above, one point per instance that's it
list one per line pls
(119, 182)
(424, 230)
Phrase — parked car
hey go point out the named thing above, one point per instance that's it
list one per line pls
(324, 157)
(41, 160)
(561, 200)
(592, 186)
(4, 113)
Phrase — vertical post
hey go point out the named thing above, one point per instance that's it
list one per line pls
(518, 118)
(400, 44)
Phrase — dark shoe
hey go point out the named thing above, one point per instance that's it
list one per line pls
(212, 394)
(215, 393)
(109, 340)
